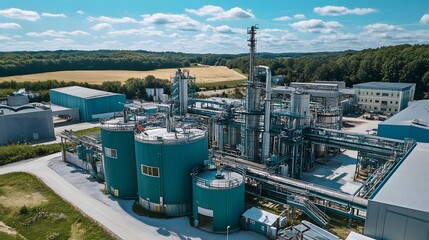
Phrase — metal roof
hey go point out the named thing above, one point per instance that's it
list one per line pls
(261, 216)
(83, 92)
(407, 186)
(416, 114)
(384, 86)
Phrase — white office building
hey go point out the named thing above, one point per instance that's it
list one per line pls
(384, 97)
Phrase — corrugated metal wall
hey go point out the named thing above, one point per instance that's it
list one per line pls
(121, 172)
(26, 127)
(175, 163)
(88, 107)
(227, 205)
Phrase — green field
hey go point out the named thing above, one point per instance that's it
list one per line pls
(30, 210)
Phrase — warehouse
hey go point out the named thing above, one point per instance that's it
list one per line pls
(25, 123)
(384, 97)
(92, 104)
(400, 209)
(412, 122)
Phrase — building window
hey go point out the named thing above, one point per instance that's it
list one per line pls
(390, 109)
(375, 108)
(377, 101)
(395, 110)
(110, 152)
(378, 94)
(366, 100)
(384, 103)
(396, 102)
(383, 109)
(391, 102)
(384, 94)
(370, 100)
(150, 171)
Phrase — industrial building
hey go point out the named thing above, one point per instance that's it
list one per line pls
(26, 123)
(399, 209)
(92, 104)
(412, 122)
(200, 157)
(384, 97)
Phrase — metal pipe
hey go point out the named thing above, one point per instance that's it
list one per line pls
(266, 134)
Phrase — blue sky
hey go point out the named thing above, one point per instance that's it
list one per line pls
(217, 26)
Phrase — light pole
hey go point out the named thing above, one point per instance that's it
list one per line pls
(227, 229)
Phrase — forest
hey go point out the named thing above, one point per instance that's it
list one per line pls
(402, 63)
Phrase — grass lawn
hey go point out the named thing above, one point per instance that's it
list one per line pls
(30, 210)
(89, 131)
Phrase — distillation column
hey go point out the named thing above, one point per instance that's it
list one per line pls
(253, 105)
(267, 121)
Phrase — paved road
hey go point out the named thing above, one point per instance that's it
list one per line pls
(120, 223)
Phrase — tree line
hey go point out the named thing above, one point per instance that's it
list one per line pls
(402, 63)
(19, 63)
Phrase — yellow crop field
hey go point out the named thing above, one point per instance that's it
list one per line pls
(203, 74)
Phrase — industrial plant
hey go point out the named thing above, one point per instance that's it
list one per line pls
(209, 158)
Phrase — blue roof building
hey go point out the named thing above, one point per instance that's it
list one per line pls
(412, 122)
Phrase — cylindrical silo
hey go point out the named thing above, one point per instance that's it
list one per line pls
(300, 105)
(218, 199)
(119, 158)
(164, 163)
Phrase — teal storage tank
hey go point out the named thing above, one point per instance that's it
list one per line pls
(119, 158)
(164, 163)
(218, 199)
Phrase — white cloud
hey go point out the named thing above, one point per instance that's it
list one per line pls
(4, 38)
(53, 33)
(381, 27)
(218, 13)
(223, 29)
(112, 20)
(79, 12)
(54, 15)
(177, 21)
(101, 26)
(340, 10)
(316, 26)
(20, 14)
(141, 31)
(299, 16)
(208, 10)
(284, 18)
(9, 25)
(424, 19)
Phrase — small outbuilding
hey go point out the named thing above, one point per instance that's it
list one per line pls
(262, 222)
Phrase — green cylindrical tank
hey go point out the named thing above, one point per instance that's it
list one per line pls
(119, 158)
(218, 199)
(164, 164)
